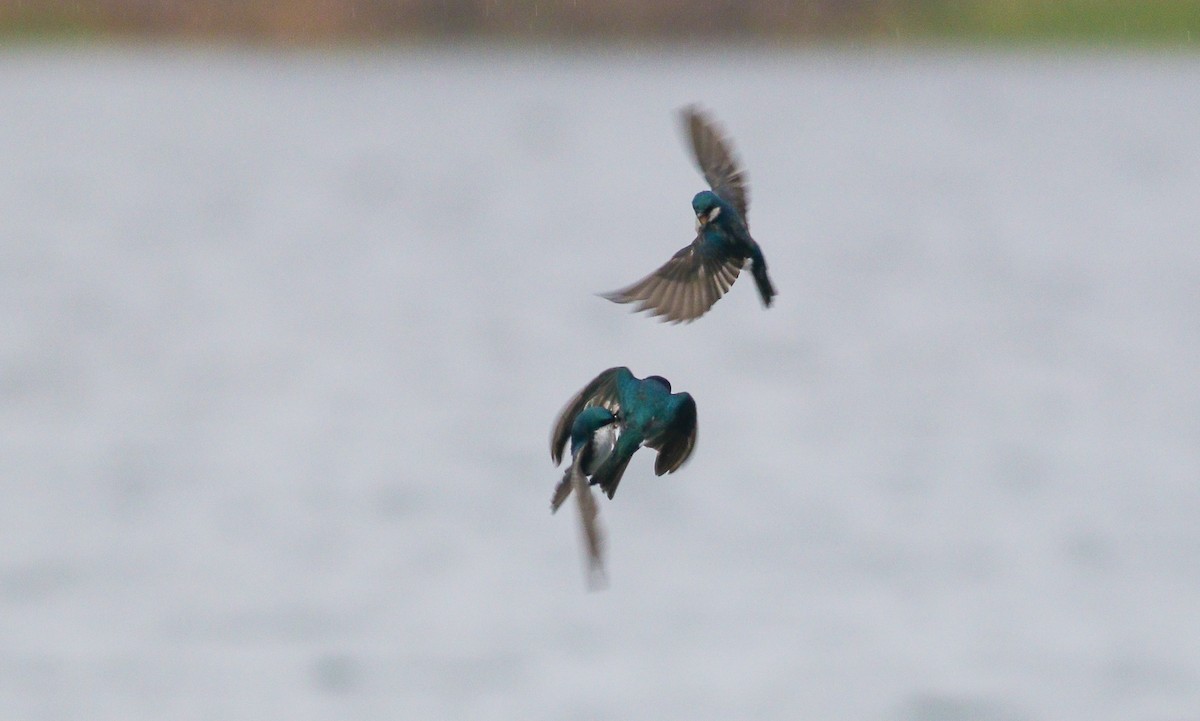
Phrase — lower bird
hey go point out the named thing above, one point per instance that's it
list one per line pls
(606, 423)
(646, 413)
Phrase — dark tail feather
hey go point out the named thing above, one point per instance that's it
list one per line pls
(765, 289)
(608, 475)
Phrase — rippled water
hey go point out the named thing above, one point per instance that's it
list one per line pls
(282, 336)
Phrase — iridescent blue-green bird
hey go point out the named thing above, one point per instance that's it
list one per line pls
(688, 284)
(644, 412)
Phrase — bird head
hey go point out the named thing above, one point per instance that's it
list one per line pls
(593, 418)
(589, 421)
(707, 206)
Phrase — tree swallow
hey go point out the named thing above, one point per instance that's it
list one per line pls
(645, 412)
(606, 422)
(698, 275)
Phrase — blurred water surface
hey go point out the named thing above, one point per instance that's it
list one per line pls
(282, 336)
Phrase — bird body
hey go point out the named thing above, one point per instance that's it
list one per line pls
(593, 435)
(696, 277)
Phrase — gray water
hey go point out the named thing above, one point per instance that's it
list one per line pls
(282, 336)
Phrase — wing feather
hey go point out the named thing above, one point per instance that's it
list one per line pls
(685, 287)
(601, 391)
(716, 160)
(676, 443)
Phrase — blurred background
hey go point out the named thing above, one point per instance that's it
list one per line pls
(292, 292)
(754, 22)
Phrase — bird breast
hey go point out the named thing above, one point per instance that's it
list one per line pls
(599, 448)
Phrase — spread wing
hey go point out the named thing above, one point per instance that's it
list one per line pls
(677, 441)
(715, 159)
(602, 391)
(686, 286)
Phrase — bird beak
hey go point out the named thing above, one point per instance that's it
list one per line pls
(700, 221)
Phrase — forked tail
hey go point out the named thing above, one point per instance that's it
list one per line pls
(759, 269)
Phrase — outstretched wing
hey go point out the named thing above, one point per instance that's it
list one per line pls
(686, 286)
(715, 159)
(602, 391)
(677, 441)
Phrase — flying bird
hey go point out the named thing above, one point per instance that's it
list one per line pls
(645, 413)
(696, 277)
(606, 423)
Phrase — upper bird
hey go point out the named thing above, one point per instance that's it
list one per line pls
(696, 277)
(644, 411)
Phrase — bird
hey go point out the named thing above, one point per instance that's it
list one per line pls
(696, 277)
(645, 413)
